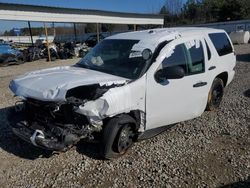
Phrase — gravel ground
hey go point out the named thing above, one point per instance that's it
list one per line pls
(210, 151)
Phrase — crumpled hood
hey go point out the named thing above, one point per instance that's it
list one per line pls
(52, 84)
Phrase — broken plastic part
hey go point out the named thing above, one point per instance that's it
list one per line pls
(95, 111)
(115, 101)
(37, 133)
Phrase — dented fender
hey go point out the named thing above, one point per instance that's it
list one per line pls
(117, 100)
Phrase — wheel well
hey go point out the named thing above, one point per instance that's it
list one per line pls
(135, 115)
(224, 77)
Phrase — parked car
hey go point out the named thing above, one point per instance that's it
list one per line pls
(129, 87)
(10, 55)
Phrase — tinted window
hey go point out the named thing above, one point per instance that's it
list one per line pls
(221, 43)
(177, 58)
(189, 56)
(195, 58)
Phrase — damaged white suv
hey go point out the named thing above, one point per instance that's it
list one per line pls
(129, 87)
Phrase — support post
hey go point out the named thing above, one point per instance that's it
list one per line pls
(97, 32)
(54, 29)
(75, 33)
(31, 36)
(135, 28)
(47, 40)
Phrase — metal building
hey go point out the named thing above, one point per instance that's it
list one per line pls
(229, 26)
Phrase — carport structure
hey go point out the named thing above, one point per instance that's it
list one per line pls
(20, 12)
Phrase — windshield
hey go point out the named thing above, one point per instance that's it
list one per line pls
(114, 56)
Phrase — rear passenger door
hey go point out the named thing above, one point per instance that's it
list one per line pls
(176, 100)
(223, 58)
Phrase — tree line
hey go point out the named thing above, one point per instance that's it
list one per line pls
(204, 11)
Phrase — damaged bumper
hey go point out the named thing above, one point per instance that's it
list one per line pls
(40, 139)
(34, 123)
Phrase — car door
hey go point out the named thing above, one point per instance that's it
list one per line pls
(174, 100)
(223, 58)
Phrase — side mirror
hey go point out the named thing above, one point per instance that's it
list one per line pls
(175, 72)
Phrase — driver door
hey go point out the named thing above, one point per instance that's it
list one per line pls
(174, 100)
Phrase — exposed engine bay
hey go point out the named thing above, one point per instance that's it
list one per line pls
(59, 125)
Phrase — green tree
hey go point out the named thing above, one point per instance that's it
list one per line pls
(245, 8)
(230, 10)
(165, 13)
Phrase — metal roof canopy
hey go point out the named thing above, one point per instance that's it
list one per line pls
(20, 12)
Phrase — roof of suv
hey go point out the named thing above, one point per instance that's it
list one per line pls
(164, 32)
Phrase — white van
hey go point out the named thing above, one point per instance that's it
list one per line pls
(129, 87)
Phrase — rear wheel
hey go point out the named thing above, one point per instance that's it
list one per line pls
(118, 136)
(215, 94)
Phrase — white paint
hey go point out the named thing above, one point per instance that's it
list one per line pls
(164, 103)
(240, 37)
(74, 18)
(52, 84)
(115, 101)
(177, 100)
(223, 63)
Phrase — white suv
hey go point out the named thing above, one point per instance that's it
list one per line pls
(129, 87)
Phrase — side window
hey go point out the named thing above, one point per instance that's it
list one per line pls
(195, 57)
(178, 57)
(221, 43)
(189, 56)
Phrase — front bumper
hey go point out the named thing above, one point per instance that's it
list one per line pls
(38, 136)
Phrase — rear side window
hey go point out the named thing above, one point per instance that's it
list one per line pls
(221, 43)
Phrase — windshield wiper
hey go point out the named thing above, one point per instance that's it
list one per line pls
(82, 65)
(89, 67)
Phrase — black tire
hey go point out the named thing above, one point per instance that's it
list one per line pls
(113, 136)
(215, 95)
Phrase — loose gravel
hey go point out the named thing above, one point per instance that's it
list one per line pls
(210, 151)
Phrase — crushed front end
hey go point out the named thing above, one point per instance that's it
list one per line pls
(51, 125)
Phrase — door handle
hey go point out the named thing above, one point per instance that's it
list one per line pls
(212, 68)
(200, 84)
